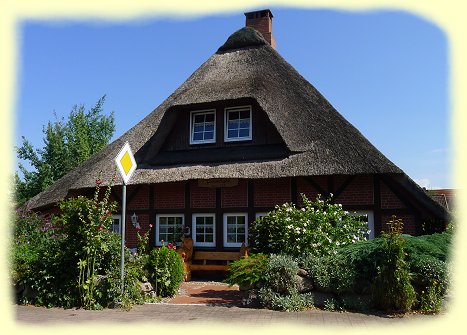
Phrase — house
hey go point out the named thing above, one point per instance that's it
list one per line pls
(243, 133)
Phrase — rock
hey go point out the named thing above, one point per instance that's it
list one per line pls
(246, 287)
(145, 287)
(302, 273)
(303, 284)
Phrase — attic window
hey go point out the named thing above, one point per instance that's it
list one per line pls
(203, 127)
(238, 123)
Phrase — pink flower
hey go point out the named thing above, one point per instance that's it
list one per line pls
(98, 182)
(175, 247)
(170, 246)
(150, 225)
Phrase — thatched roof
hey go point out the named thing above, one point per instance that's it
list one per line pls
(319, 139)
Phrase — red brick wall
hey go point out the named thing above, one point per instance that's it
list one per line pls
(131, 239)
(358, 192)
(303, 186)
(389, 199)
(140, 199)
(409, 223)
(202, 197)
(271, 192)
(236, 196)
(169, 195)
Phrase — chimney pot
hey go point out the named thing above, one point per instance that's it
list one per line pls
(261, 20)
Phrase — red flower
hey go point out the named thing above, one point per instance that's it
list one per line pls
(98, 182)
(170, 246)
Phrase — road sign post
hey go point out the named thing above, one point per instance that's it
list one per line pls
(126, 165)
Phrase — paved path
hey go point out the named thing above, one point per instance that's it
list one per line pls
(207, 303)
(201, 314)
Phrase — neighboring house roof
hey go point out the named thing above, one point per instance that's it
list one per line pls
(319, 140)
(445, 197)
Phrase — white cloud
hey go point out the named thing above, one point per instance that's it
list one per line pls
(423, 182)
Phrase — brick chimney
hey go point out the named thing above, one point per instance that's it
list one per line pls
(261, 20)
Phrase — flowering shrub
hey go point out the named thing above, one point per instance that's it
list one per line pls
(74, 259)
(35, 265)
(317, 228)
(165, 270)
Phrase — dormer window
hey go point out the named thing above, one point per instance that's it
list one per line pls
(237, 124)
(203, 127)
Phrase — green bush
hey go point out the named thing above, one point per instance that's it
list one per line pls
(280, 288)
(430, 281)
(317, 228)
(392, 289)
(333, 274)
(364, 257)
(74, 259)
(291, 302)
(437, 245)
(165, 271)
(248, 271)
(280, 273)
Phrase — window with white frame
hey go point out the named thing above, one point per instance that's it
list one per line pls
(368, 217)
(169, 228)
(204, 227)
(235, 229)
(261, 214)
(115, 225)
(203, 126)
(238, 124)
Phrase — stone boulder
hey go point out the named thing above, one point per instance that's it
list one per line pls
(303, 284)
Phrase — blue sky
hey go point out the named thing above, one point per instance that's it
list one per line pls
(385, 71)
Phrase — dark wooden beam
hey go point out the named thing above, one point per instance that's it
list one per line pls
(343, 186)
(251, 201)
(377, 205)
(219, 220)
(187, 209)
(330, 182)
(317, 187)
(293, 190)
(152, 215)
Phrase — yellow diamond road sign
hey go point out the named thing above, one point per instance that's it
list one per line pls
(125, 162)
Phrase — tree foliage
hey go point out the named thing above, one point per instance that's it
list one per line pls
(67, 143)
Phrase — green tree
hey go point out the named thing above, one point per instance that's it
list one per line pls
(66, 145)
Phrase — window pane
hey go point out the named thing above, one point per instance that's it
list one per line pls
(209, 117)
(209, 238)
(209, 135)
(232, 125)
(208, 127)
(233, 133)
(231, 238)
(244, 133)
(233, 115)
(198, 136)
(245, 123)
(245, 114)
(199, 118)
(231, 220)
(209, 220)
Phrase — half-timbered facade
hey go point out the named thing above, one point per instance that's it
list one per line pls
(244, 133)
